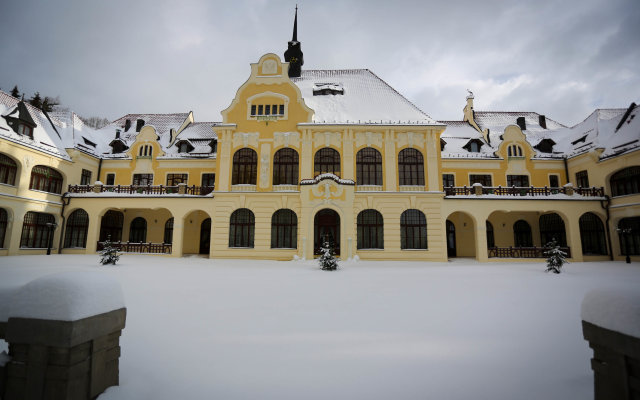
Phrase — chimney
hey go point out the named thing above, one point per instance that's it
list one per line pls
(139, 124)
(521, 123)
(117, 133)
(127, 125)
(542, 121)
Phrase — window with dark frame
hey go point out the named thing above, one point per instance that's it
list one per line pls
(484, 180)
(111, 226)
(35, 232)
(4, 220)
(554, 181)
(522, 234)
(8, 169)
(285, 167)
(411, 168)
(208, 180)
(168, 231)
(625, 181)
(369, 167)
(25, 130)
(448, 180)
(552, 227)
(326, 161)
(76, 231)
(491, 241)
(85, 177)
(142, 179)
(175, 179)
(582, 179)
(45, 179)
(370, 230)
(245, 167)
(138, 230)
(241, 228)
(111, 179)
(518, 180)
(284, 229)
(413, 230)
(592, 235)
(629, 242)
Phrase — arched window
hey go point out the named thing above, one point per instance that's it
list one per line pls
(592, 235)
(411, 168)
(111, 226)
(629, 242)
(626, 181)
(245, 167)
(552, 227)
(285, 167)
(168, 231)
(413, 230)
(326, 160)
(370, 230)
(35, 232)
(138, 230)
(491, 241)
(284, 229)
(8, 169)
(241, 228)
(369, 167)
(4, 219)
(514, 151)
(522, 234)
(76, 230)
(45, 179)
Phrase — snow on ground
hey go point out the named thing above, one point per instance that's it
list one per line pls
(238, 329)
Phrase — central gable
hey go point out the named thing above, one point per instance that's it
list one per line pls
(268, 101)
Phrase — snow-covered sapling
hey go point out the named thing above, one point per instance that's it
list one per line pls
(109, 254)
(327, 260)
(556, 258)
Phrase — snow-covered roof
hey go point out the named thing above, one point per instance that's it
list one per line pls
(457, 135)
(365, 99)
(199, 135)
(45, 136)
(75, 134)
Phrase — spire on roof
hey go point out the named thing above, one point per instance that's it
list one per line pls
(293, 55)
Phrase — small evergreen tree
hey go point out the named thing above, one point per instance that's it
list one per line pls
(327, 260)
(36, 100)
(109, 255)
(15, 92)
(556, 258)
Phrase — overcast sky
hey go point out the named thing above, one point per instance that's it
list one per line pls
(562, 58)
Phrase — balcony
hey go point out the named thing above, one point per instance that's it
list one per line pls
(522, 252)
(144, 190)
(142, 248)
(515, 191)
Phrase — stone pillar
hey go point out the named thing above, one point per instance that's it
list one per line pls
(572, 227)
(182, 189)
(569, 189)
(177, 243)
(481, 235)
(93, 233)
(16, 232)
(306, 155)
(477, 189)
(390, 167)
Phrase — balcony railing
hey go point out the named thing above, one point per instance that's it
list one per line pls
(523, 191)
(139, 189)
(144, 248)
(522, 252)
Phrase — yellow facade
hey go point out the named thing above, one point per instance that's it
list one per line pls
(293, 127)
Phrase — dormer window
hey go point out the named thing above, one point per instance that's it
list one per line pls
(184, 147)
(118, 146)
(442, 144)
(473, 146)
(514, 151)
(214, 146)
(20, 121)
(25, 130)
(545, 146)
(329, 88)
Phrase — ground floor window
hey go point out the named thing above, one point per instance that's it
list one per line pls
(35, 232)
(370, 230)
(552, 227)
(592, 235)
(522, 234)
(138, 230)
(168, 231)
(413, 230)
(241, 228)
(76, 230)
(4, 218)
(111, 226)
(491, 241)
(629, 242)
(284, 229)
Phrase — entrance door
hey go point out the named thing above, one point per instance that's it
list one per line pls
(451, 239)
(205, 236)
(326, 229)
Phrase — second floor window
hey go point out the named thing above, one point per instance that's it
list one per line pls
(8, 169)
(326, 160)
(142, 179)
(582, 179)
(369, 167)
(208, 180)
(245, 167)
(448, 180)
(285, 167)
(175, 179)
(411, 168)
(85, 178)
(484, 180)
(626, 181)
(45, 179)
(111, 179)
(518, 180)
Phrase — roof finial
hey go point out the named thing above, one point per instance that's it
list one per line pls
(470, 96)
(295, 27)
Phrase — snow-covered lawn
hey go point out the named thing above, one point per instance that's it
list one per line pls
(246, 329)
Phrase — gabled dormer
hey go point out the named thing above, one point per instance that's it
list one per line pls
(184, 146)
(473, 145)
(117, 144)
(545, 146)
(20, 120)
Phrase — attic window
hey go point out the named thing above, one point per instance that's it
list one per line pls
(442, 144)
(117, 146)
(323, 89)
(25, 130)
(88, 142)
(582, 139)
(184, 147)
(139, 124)
(267, 109)
(473, 146)
(514, 151)
(545, 146)
(214, 146)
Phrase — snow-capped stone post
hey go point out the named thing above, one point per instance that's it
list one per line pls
(97, 187)
(611, 325)
(63, 332)
(477, 189)
(568, 189)
(182, 188)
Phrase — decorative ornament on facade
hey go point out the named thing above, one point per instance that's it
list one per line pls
(285, 138)
(264, 167)
(245, 137)
(28, 161)
(269, 67)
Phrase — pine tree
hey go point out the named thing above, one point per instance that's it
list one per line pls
(109, 255)
(49, 103)
(556, 258)
(15, 92)
(36, 100)
(327, 261)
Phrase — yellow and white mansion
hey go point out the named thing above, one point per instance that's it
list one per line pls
(307, 156)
